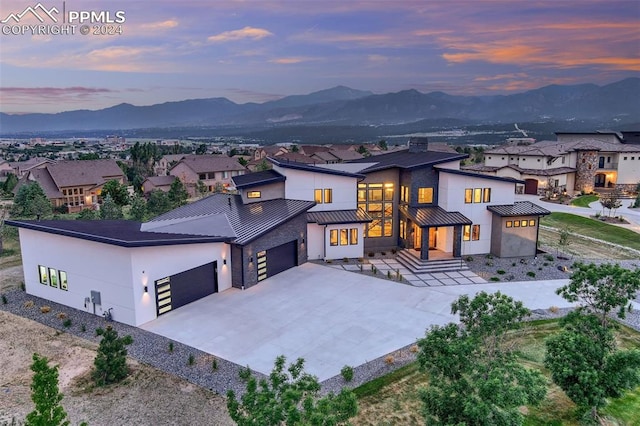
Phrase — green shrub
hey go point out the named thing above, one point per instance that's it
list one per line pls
(494, 279)
(191, 360)
(22, 286)
(347, 373)
(489, 256)
(83, 328)
(488, 263)
(501, 271)
(469, 258)
(531, 274)
(110, 364)
(4, 300)
(170, 346)
(545, 264)
(67, 323)
(548, 257)
(513, 263)
(214, 364)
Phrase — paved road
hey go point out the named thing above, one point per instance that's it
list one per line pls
(632, 215)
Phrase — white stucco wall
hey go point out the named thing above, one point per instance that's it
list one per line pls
(116, 272)
(628, 170)
(315, 241)
(300, 185)
(339, 251)
(451, 198)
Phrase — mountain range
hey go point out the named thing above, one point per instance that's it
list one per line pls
(342, 106)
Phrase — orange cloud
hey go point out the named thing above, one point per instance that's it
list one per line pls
(293, 60)
(244, 33)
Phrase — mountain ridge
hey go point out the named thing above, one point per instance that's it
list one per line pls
(346, 106)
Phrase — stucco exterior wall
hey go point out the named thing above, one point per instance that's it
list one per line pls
(629, 169)
(272, 191)
(514, 241)
(301, 185)
(452, 189)
(115, 272)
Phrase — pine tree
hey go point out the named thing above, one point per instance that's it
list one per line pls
(111, 360)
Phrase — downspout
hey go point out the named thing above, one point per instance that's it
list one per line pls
(537, 236)
(324, 243)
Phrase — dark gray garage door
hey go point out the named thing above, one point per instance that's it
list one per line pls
(186, 287)
(277, 259)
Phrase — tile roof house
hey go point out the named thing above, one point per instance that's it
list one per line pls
(211, 170)
(20, 168)
(74, 184)
(413, 199)
(573, 163)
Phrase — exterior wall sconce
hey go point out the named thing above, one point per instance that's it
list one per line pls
(146, 289)
(251, 259)
(303, 241)
(224, 261)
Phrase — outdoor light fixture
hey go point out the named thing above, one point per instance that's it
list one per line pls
(251, 259)
(224, 261)
(146, 289)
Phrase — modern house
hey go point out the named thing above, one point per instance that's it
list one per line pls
(575, 162)
(74, 184)
(413, 199)
(211, 170)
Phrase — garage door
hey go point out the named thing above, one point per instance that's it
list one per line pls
(277, 259)
(186, 287)
(531, 186)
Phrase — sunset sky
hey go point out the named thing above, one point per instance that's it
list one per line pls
(254, 51)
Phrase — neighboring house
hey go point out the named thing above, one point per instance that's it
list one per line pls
(162, 183)
(269, 151)
(20, 168)
(415, 199)
(334, 156)
(162, 166)
(74, 184)
(5, 168)
(211, 170)
(575, 162)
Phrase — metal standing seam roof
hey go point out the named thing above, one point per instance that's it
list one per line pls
(434, 216)
(248, 221)
(257, 178)
(123, 233)
(338, 216)
(519, 208)
(408, 160)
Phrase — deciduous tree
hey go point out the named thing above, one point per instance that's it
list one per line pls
(475, 376)
(45, 395)
(583, 358)
(178, 194)
(289, 398)
(118, 192)
(31, 201)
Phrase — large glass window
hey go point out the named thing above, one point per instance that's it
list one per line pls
(466, 233)
(333, 237)
(344, 237)
(323, 195)
(475, 232)
(477, 195)
(404, 194)
(377, 200)
(468, 195)
(486, 195)
(328, 195)
(254, 194)
(425, 195)
(317, 196)
(354, 236)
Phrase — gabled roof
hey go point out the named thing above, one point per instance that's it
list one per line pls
(519, 208)
(479, 175)
(311, 168)
(534, 172)
(45, 181)
(84, 172)
(408, 160)
(338, 216)
(161, 180)
(257, 178)
(246, 222)
(123, 233)
(434, 216)
(546, 148)
(210, 163)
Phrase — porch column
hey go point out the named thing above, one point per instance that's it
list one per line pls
(457, 241)
(424, 244)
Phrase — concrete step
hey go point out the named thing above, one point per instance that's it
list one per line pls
(419, 266)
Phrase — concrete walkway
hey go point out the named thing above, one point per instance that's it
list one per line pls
(435, 279)
(328, 316)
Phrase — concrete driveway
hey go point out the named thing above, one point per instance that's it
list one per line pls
(327, 316)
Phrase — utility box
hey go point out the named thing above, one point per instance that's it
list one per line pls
(95, 297)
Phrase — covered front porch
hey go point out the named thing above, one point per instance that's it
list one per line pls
(432, 231)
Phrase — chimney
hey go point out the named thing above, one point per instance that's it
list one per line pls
(418, 144)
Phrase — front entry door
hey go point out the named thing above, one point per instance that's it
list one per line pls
(417, 237)
(433, 238)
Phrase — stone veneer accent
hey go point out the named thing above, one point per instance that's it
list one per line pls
(586, 167)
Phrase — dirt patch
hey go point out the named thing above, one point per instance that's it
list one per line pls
(11, 276)
(147, 397)
(583, 248)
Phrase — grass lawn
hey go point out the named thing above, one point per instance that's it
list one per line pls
(584, 200)
(593, 228)
(394, 399)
